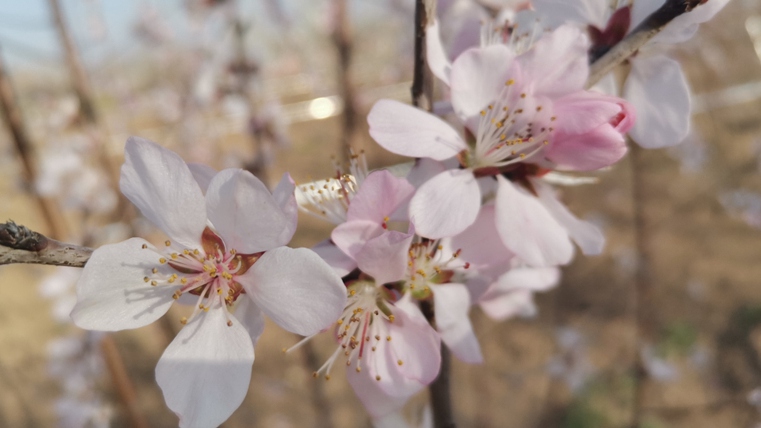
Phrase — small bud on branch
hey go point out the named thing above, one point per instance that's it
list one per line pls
(19, 244)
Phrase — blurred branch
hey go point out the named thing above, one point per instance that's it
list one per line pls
(649, 28)
(14, 121)
(439, 389)
(78, 76)
(122, 383)
(341, 35)
(18, 244)
(422, 78)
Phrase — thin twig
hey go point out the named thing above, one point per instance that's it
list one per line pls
(649, 28)
(422, 79)
(122, 383)
(342, 40)
(18, 244)
(439, 389)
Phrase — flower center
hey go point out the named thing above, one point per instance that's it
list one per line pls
(512, 129)
(427, 266)
(209, 274)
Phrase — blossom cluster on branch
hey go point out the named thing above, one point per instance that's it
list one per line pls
(476, 219)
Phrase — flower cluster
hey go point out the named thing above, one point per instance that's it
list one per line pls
(475, 221)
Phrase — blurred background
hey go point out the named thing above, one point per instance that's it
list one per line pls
(285, 85)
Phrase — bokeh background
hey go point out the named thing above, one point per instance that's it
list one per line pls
(261, 85)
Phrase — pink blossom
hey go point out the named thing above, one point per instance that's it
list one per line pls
(223, 245)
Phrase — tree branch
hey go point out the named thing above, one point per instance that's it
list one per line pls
(422, 79)
(18, 244)
(649, 28)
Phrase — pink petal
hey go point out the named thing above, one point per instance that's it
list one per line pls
(333, 256)
(557, 63)
(296, 289)
(583, 111)
(245, 214)
(385, 256)
(251, 317)
(480, 243)
(414, 342)
(598, 148)
(377, 402)
(162, 187)
(657, 89)
(528, 229)
(451, 305)
(533, 279)
(409, 131)
(378, 197)
(111, 293)
(446, 204)
(478, 76)
(205, 371)
(352, 236)
(586, 235)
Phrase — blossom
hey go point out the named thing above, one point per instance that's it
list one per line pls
(528, 114)
(225, 248)
(655, 86)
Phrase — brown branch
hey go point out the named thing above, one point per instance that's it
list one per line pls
(122, 383)
(422, 78)
(649, 28)
(18, 244)
(439, 389)
(341, 35)
(15, 123)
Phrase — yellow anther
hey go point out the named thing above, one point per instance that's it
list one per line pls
(183, 320)
(154, 283)
(510, 82)
(314, 374)
(377, 377)
(146, 279)
(388, 338)
(327, 377)
(167, 243)
(400, 362)
(184, 281)
(155, 270)
(162, 260)
(196, 252)
(144, 246)
(174, 256)
(523, 95)
(359, 369)
(391, 318)
(352, 293)
(219, 291)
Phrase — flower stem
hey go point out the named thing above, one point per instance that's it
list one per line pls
(422, 79)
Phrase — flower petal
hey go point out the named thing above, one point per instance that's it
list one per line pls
(519, 303)
(377, 402)
(526, 278)
(352, 236)
(204, 373)
(285, 196)
(657, 89)
(478, 76)
(378, 197)
(446, 204)
(408, 131)
(557, 63)
(333, 256)
(528, 229)
(202, 174)
(162, 187)
(296, 288)
(111, 293)
(437, 58)
(414, 342)
(586, 235)
(251, 317)
(480, 243)
(385, 256)
(452, 304)
(245, 214)
(684, 26)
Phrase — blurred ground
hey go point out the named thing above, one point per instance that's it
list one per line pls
(702, 238)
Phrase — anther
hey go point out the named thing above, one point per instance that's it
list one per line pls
(162, 260)
(183, 320)
(168, 243)
(144, 246)
(146, 279)
(229, 323)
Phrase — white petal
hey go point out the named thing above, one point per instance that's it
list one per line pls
(414, 342)
(519, 303)
(528, 229)
(408, 131)
(296, 288)
(446, 204)
(251, 317)
(204, 373)
(379, 196)
(333, 256)
(160, 184)
(586, 235)
(203, 174)
(557, 63)
(285, 197)
(437, 58)
(534, 279)
(657, 89)
(451, 305)
(684, 26)
(111, 293)
(377, 402)
(478, 76)
(245, 214)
